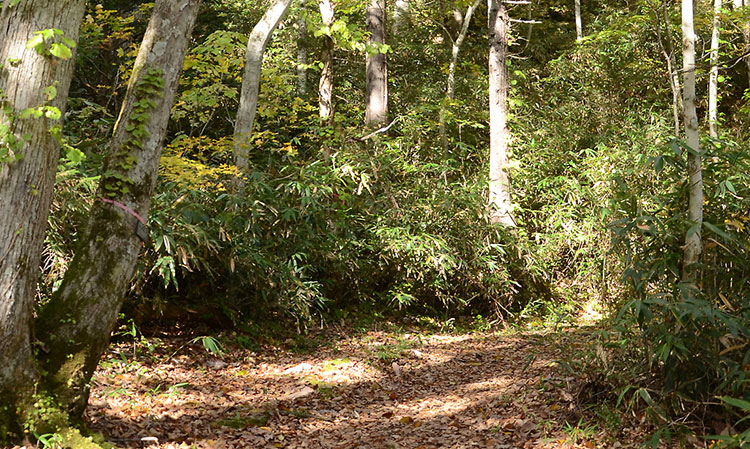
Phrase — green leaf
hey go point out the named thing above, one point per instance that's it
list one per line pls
(35, 42)
(52, 113)
(61, 51)
(716, 230)
(75, 155)
(50, 92)
(739, 403)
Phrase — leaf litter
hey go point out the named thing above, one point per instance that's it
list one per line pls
(377, 390)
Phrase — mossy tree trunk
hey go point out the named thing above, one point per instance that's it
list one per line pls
(75, 326)
(34, 80)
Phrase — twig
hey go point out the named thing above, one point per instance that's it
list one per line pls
(379, 131)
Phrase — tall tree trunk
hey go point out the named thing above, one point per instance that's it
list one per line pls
(695, 174)
(740, 5)
(450, 89)
(302, 51)
(667, 49)
(579, 21)
(401, 11)
(325, 86)
(376, 111)
(75, 326)
(499, 195)
(29, 152)
(256, 46)
(713, 79)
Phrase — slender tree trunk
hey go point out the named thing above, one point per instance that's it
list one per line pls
(75, 326)
(713, 80)
(695, 174)
(450, 89)
(376, 111)
(302, 51)
(29, 152)
(256, 46)
(740, 5)
(579, 21)
(401, 11)
(325, 86)
(667, 49)
(499, 194)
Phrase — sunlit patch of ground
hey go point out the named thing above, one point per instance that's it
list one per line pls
(378, 390)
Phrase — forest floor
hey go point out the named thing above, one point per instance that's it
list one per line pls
(348, 389)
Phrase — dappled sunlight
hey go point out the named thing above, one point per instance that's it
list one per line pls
(378, 390)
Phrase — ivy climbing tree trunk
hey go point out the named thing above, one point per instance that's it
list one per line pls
(76, 324)
(34, 87)
(325, 86)
(256, 46)
(499, 196)
(695, 174)
(376, 110)
(713, 79)
(450, 89)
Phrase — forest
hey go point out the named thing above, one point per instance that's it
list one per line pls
(372, 224)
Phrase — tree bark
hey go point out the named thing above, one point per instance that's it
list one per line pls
(401, 11)
(302, 51)
(739, 5)
(325, 86)
(450, 89)
(75, 326)
(256, 46)
(713, 79)
(667, 49)
(579, 21)
(376, 111)
(499, 188)
(26, 184)
(695, 174)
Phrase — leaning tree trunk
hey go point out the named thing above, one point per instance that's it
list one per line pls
(29, 151)
(75, 326)
(695, 173)
(713, 79)
(450, 89)
(499, 198)
(579, 21)
(325, 86)
(256, 46)
(376, 110)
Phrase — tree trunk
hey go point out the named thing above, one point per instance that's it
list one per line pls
(75, 326)
(256, 45)
(713, 79)
(376, 111)
(499, 195)
(29, 152)
(325, 86)
(667, 49)
(302, 53)
(579, 22)
(450, 89)
(695, 174)
(401, 13)
(740, 5)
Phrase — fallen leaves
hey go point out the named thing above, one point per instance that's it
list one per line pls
(454, 391)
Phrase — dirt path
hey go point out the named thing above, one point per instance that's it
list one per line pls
(377, 390)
